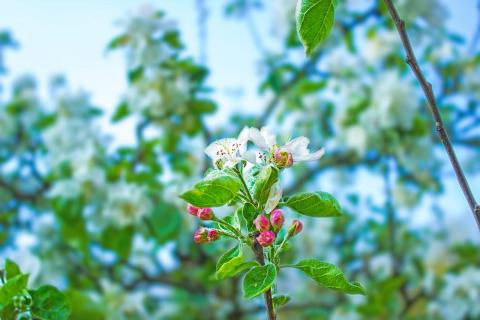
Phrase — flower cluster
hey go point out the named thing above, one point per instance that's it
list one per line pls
(228, 152)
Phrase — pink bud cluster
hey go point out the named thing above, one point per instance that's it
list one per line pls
(205, 235)
(269, 227)
(201, 213)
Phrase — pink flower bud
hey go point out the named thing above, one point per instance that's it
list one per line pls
(200, 235)
(213, 235)
(266, 238)
(192, 209)
(277, 219)
(205, 214)
(261, 222)
(296, 227)
(282, 158)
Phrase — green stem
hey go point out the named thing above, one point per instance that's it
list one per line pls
(240, 176)
(280, 247)
(227, 234)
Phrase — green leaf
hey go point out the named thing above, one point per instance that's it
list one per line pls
(12, 287)
(258, 280)
(217, 189)
(280, 300)
(229, 261)
(328, 275)
(314, 21)
(49, 303)
(249, 213)
(8, 312)
(264, 182)
(314, 204)
(11, 269)
(242, 267)
(121, 112)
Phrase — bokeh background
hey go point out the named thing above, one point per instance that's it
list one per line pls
(106, 106)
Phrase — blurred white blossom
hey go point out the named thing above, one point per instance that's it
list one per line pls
(126, 204)
(458, 299)
(394, 103)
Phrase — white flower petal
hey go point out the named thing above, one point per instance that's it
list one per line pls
(269, 137)
(297, 147)
(311, 156)
(250, 156)
(257, 138)
(212, 150)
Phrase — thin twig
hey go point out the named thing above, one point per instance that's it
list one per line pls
(428, 91)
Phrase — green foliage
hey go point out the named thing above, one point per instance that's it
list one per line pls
(280, 300)
(258, 280)
(229, 261)
(314, 21)
(249, 213)
(232, 263)
(216, 190)
(50, 304)
(11, 269)
(46, 302)
(328, 275)
(314, 204)
(11, 288)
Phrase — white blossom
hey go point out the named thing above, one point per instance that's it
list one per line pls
(394, 103)
(229, 151)
(459, 297)
(126, 204)
(297, 148)
(122, 305)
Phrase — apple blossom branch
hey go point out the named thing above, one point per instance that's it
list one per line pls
(428, 91)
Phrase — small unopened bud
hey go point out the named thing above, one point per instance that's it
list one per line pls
(266, 238)
(192, 209)
(261, 223)
(200, 235)
(296, 227)
(213, 235)
(277, 219)
(282, 158)
(205, 214)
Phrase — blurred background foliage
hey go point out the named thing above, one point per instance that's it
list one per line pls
(101, 219)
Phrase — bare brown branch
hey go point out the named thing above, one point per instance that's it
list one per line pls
(429, 94)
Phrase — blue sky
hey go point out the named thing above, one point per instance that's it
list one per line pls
(70, 37)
